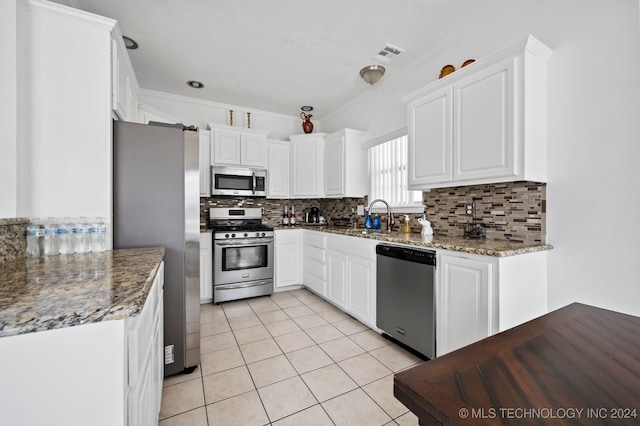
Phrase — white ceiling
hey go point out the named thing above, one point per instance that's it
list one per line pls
(277, 55)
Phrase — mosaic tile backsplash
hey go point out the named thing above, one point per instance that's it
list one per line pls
(513, 211)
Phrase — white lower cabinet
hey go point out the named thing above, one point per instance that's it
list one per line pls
(314, 262)
(361, 288)
(477, 296)
(349, 271)
(206, 267)
(288, 258)
(146, 358)
(336, 276)
(103, 373)
(462, 302)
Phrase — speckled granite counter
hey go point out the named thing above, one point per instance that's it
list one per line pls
(44, 293)
(485, 247)
(13, 243)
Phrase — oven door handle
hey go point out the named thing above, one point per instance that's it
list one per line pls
(237, 286)
(253, 242)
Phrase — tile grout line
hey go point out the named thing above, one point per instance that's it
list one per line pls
(301, 303)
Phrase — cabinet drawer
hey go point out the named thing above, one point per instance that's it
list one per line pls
(314, 254)
(352, 246)
(314, 267)
(314, 240)
(287, 236)
(314, 282)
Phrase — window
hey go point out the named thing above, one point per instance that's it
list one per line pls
(388, 175)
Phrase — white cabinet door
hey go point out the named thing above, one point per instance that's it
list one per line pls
(225, 148)
(232, 146)
(430, 150)
(484, 138)
(463, 302)
(124, 98)
(205, 163)
(278, 169)
(144, 371)
(346, 172)
(334, 165)
(206, 267)
(253, 151)
(288, 258)
(337, 278)
(314, 262)
(307, 166)
(361, 289)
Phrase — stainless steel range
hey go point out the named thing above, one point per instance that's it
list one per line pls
(242, 254)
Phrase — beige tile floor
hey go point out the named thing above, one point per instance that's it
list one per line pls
(287, 359)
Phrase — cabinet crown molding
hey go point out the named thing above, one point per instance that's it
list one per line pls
(530, 45)
(306, 136)
(213, 126)
(71, 14)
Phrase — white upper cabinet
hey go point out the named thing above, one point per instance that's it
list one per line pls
(205, 165)
(307, 165)
(430, 147)
(484, 123)
(278, 169)
(124, 86)
(233, 146)
(345, 165)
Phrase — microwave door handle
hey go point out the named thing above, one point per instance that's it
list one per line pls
(254, 183)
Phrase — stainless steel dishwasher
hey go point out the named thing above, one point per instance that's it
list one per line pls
(405, 299)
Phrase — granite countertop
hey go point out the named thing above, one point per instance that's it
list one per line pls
(51, 292)
(485, 246)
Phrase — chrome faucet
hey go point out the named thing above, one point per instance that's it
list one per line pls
(390, 221)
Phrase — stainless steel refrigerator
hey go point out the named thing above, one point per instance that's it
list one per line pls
(156, 202)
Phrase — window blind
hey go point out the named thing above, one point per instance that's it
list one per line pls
(388, 175)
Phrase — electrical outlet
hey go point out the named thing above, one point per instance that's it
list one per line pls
(469, 209)
(360, 210)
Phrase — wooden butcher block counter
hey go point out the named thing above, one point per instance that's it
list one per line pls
(576, 365)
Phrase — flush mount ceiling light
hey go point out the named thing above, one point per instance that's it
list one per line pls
(129, 43)
(307, 108)
(372, 73)
(195, 84)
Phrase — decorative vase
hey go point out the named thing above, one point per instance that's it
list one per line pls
(307, 125)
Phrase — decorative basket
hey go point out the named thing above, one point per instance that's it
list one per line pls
(446, 70)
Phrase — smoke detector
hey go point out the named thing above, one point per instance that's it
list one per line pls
(388, 54)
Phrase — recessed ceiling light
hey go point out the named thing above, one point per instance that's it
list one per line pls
(307, 108)
(129, 43)
(195, 84)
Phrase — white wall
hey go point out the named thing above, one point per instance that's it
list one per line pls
(593, 126)
(192, 111)
(8, 108)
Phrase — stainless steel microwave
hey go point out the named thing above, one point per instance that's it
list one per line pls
(239, 181)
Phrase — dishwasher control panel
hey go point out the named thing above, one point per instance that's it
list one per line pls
(410, 254)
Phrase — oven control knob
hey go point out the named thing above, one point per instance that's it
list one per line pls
(233, 235)
(246, 235)
(263, 234)
(226, 235)
(257, 234)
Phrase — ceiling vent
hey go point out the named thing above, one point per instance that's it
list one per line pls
(388, 54)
